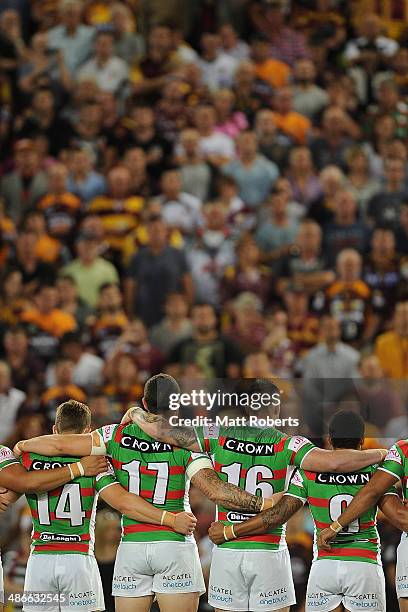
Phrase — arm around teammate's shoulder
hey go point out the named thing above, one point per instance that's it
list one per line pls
(56, 445)
(341, 460)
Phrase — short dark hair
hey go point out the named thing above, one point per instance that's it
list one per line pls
(72, 416)
(157, 392)
(346, 429)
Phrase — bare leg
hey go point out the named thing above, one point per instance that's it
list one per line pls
(133, 604)
(188, 602)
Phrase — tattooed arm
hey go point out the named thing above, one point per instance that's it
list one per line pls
(160, 429)
(264, 522)
(228, 495)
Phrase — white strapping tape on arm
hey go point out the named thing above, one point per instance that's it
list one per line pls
(98, 445)
(197, 465)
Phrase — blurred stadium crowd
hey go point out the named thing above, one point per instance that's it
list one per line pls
(213, 188)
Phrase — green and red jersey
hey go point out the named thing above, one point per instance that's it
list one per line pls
(328, 495)
(64, 519)
(258, 461)
(156, 471)
(396, 464)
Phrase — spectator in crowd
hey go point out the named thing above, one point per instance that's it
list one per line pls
(302, 324)
(337, 135)
(279, 230)
(25, 368)
(175, 325)
(292, 123)
(401, 234)
(33, 271)
(247, 328)
(107, 538)
(303, 180)
(11, 400)
(83, 180)
(217, 67)
(179, 209)
(48, 249)
(308, 98)
(267, 68)
(231, 44)
(384, 207)
(155, 271)
(62, 390)
(73, 38)
(135, 341)
(217, 356)
(89, 270)
(391, 347)
(359, 181)
(12, 302)
(129, 45)
(109, 71)
(272, 143)
(110, 319)
(215, 147)
(331, 180)
(196, 175)
(123, 388)
(251, 93)
(136, 162)
(254, 174)
(229, 122)
(70, 302)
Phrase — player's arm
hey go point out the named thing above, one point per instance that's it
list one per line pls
(138, 509)
(365, 499)
(16, 478)
(7, 499)
(265, 521)
(341, 460)
(56, 445)
(160, 429)
(395, 511)
(228, 495)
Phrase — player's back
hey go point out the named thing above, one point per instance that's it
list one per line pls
(64, 519)
(328, 494)
(259, 461)
(154, 470)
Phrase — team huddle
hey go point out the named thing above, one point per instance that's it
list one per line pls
(143, 468)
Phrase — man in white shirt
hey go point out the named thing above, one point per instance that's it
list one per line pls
(10, 402)
(215, 147)
(217, 68)
(108, 71)
(179, 209)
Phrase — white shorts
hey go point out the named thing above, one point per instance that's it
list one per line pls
(401, 573)
(157, 567)
(355, 584)
(251, 580)
(75, 578)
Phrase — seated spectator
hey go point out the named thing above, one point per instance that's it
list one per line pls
(180, 210)
(129, 45)
(83, 180)
(248, 274)
(70, 302)
(89, 270)
(303, 180)
(118, 210)
(87, 367)
(217, 356)
(135, 341)
(305, 265)
(12, 299)
(141, 184)
(215, 147)
(383, 272)
(344, 231)
(156, 270)
(61, 208)
(171, 111)
(109, 71)
(302, 324)
(292, 123)
(211, 253)
(278, 230)
(359, 181)
(349, 300)
(34, 271)
(124, 388)
(251, 93)
(48, 249)
(70, 36)
(231, 44)
(332, 180)
(254, 174)
(46, 323)
(229, 122)
(308, 98)
(22, 187)
(195, 173)
(272, 142)
(392, 346)
(336, 137)
(11, 400)
(43, 118)
(267, 68)
(62, 390)
(175, 325)
(247, 328)
(111, 319)
(384, 207)
(26, 370)
(217, 67)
